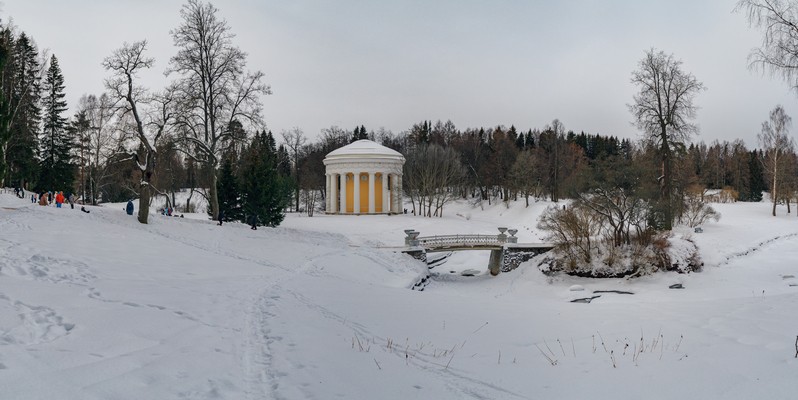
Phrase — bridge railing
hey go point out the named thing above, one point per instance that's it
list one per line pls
(461, 240)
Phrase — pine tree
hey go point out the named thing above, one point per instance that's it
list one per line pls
(56, 171)
(265, 192)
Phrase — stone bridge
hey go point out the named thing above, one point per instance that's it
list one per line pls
(505, 251)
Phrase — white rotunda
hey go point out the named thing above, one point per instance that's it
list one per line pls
(364, 178)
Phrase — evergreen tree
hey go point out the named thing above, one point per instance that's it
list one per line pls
(56, 171)
(520, 140)
(530, 140)
(265, 192)
(229, 195)
(359, 133)
(5, 106)
(26, 93)
(758, 184)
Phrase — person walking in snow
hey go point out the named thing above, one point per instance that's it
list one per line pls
(71, 200)
(43, 200)
(221, 217)
(129, 207)
(253, 222)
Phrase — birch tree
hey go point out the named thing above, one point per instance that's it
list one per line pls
(777, 145)
(103, 141)
(212, 86)
(778, 53)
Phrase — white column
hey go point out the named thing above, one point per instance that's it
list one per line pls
(398, 195)
(327, 192)
(393, 193)
(386, 195)
(333, 194)
(356, 178)
(372, 206)
(342, 195)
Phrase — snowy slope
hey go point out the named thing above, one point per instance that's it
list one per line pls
(97, 306)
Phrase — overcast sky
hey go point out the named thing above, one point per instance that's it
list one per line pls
(479, 63)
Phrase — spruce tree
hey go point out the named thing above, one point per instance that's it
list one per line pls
(229, 194)
(56, 170)
(26, 95)
(757, 183)
(5, 118)
(265, 192)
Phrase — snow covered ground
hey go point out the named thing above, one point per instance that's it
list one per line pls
(98, 306)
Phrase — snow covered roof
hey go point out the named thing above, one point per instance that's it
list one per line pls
(364, 149)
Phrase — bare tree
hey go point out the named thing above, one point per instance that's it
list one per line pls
(431, 174)
(663, 109)
(524, 177)
(777, 145)
(778, 53)
(125, 63)
(620, 210)
(212, 87)
(574, 231)
(696, 212)
(295, 140)
(104, 141)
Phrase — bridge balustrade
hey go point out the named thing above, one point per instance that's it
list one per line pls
(461, 240)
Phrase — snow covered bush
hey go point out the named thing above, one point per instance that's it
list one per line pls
(573, 230)
(695, 212)
(604, 235)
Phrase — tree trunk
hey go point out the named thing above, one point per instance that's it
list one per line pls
(146, 191)
(144, 202)
(214, 196)
(296, 193)
(667, 189)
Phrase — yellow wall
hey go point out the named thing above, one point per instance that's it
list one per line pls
(378, 193)
(364, 193)
(350, 193)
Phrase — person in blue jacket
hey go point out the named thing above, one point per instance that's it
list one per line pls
(129, 207)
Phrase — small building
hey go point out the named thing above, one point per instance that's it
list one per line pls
(364, 178)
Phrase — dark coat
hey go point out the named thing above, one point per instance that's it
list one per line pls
(129, 207)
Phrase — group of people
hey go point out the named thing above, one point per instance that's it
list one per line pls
(47, 198)
(58, 197)
(19, 192)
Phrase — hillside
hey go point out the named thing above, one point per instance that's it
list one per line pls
(98, 306)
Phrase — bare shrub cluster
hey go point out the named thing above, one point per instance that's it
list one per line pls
(606, 233)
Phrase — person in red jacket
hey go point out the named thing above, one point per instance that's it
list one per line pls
(59, 199)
